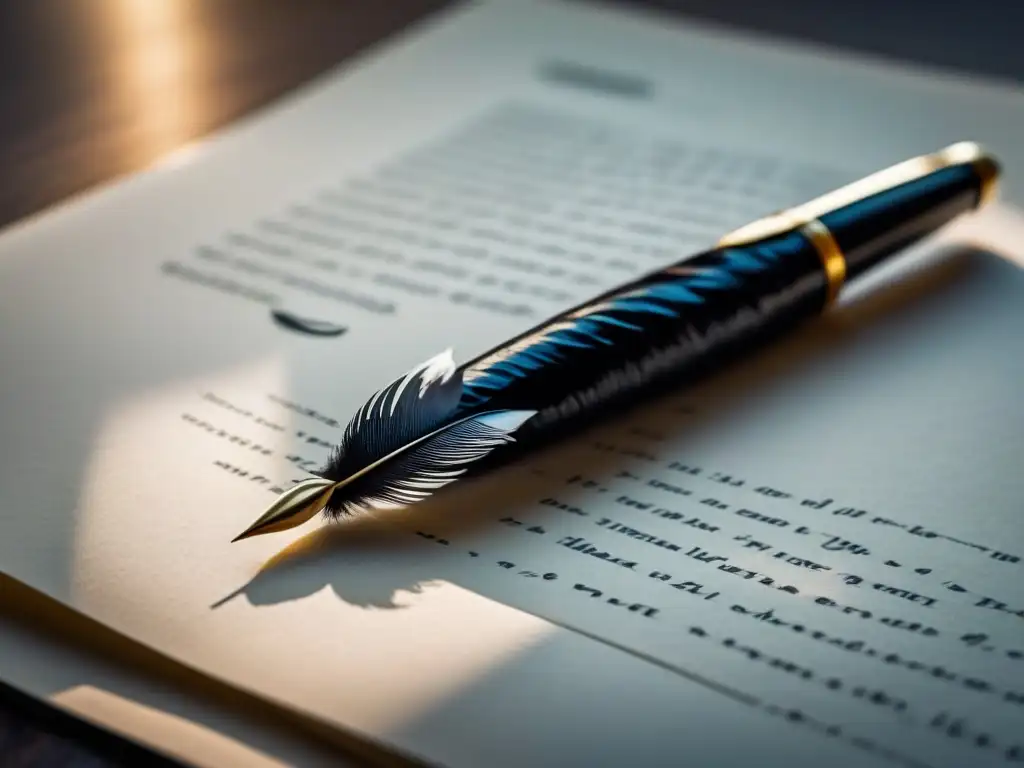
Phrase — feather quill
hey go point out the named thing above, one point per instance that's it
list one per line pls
(405, 410)
(415, 471)
(400, 447)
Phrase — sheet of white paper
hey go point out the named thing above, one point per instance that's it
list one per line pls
(451, 190)
(149, 703)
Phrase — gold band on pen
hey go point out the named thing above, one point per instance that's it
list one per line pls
(831, 255)
(988, 173)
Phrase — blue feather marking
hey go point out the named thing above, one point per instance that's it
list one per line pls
(582, 329)
(741, 261)
(673, 292)
(616, 321)
(714, 279)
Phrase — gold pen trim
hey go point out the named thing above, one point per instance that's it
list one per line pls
(832, 259)
(988, 172)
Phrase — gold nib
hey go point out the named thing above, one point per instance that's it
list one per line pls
(295, 506)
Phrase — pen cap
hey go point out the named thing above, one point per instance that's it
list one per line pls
(899, 213)
(881, 214)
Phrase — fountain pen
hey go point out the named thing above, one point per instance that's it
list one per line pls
(440, 422)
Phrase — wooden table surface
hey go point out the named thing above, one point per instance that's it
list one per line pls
(91, 90)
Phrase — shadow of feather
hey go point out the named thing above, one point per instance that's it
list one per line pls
(370, 560)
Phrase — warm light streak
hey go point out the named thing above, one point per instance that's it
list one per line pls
(156, 78)
(161, 730)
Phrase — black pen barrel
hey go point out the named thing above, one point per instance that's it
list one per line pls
(663, 331)
(672, 327)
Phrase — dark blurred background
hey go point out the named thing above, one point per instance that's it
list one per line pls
(94, 89)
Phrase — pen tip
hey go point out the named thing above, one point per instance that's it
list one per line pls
(295, 506)
(253, 530)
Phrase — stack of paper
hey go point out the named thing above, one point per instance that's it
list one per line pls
(815, 558)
